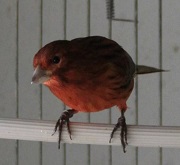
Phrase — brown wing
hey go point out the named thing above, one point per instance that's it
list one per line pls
(98, 60)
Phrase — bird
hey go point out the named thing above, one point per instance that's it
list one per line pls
(88, 74)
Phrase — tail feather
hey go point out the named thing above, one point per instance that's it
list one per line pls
(142, 69)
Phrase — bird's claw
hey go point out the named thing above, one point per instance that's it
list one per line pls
(64, 118)
(123, 134)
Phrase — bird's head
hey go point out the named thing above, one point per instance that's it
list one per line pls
(47, 61)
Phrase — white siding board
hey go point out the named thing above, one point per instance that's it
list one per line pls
(171, 61)
(148, 85)
(29, 23)
(8, 90)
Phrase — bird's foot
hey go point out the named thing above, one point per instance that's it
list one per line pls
(123, 134)
(64, 118)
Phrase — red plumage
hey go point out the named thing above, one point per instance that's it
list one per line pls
(88, 74)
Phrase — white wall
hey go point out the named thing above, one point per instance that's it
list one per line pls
(26, 25)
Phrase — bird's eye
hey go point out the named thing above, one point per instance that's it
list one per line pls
(56, 59)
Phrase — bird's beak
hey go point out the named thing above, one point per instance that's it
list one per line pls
(40, 76)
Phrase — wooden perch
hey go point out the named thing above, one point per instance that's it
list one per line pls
(89, 133)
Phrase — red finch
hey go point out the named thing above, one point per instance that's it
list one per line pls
(88, 74)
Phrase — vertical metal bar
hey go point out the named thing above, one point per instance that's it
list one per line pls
(65, 36)
(65, 22)
(160, 65)
(136, 54)
(17, 75)
(160, 56)
(41, 99)
(88, 33)
(110, 113)
(89, 17)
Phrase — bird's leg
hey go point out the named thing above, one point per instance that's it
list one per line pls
(64, 118)
(123, 134)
